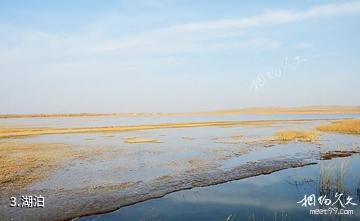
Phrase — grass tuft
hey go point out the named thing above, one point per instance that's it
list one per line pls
(351, 126)
(132, 140)
(303, 136)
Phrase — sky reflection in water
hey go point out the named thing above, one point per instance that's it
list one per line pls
(267, 197)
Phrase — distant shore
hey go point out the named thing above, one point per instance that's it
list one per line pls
(19, 131)
(260, 110)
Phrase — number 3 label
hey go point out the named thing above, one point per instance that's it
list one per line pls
(13, 202)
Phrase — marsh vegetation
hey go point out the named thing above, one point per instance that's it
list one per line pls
(349, 126)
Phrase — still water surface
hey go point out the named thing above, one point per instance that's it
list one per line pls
(266, 197)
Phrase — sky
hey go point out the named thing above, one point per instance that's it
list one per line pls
(172, 56)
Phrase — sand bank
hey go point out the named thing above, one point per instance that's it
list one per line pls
(18, 132)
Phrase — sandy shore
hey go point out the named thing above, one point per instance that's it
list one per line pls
(8, 132)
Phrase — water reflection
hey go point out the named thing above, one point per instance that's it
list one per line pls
(268, 197)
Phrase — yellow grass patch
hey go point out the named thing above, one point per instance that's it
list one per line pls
(303, 136)
(351, 126)
(25, 131)
(24, 163)
(140, 140)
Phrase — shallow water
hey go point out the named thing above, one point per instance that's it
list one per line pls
(116, 173)
(265, 197)
(148, 161)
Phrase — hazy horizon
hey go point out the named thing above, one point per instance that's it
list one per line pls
(294, 108)
(177, 56)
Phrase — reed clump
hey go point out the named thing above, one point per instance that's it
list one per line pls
(302, 136)
(349, 126)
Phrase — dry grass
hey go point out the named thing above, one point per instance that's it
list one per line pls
(24, 163)
(25, 131)
(337, 153)
(132, 140)
(302, 136)
(351, 126)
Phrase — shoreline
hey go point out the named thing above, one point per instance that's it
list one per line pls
(244, 111)
(34, 131)
(126, 196)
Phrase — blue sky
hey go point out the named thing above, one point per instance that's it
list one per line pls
(165, 55)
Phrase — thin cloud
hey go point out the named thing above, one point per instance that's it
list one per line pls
(273, 18)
